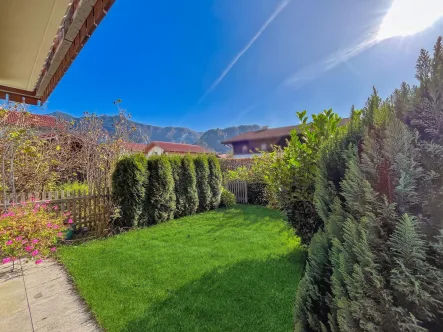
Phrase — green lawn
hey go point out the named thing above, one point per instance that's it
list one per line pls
(225, 270)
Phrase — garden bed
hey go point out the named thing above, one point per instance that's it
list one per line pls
(224, 270)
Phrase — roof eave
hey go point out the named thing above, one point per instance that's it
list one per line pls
(81, 20)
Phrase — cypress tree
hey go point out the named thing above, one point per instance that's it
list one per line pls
(177, 174)
(188, 186)
(128, 188)
(203, 188)
(215, 181)
(160, 196)
(382, 272)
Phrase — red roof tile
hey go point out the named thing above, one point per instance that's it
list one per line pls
(177, 147)
(268, 133)
(31, 120)
(134, 147)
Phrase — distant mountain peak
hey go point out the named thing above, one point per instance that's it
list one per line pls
(210, 139)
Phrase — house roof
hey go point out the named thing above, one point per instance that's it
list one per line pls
(31, 120)
(177, 147)
(42, 39)
(267, 133)
(134, 147)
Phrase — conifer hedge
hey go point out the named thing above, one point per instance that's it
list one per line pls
(376, 262)
(188, 186)
(203, 188)
(215, 181)
(160, 188)
(160, 202)
(128, 188)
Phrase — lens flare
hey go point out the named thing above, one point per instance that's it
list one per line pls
(408, 17)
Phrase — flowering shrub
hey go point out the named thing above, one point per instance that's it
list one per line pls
(31, 230)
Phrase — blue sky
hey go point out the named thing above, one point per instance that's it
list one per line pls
(207, 64)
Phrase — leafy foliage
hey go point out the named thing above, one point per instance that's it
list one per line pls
(160, 195)
(227, 198)
(129, 181)
(292, 171)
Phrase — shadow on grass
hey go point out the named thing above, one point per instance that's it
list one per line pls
(248, 296)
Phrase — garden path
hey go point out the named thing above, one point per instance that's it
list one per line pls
(41, 298)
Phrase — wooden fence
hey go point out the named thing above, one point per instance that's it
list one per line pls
(90, 212)
(239, 189)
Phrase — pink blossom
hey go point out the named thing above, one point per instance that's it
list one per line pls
(47, 202)
(24, 241)
(49, 225)
(44, 206)
(19, 238)
(55, 227)
(37, 206)
(9, 242)
(53, 249)
(55, 207)
(70, 221)
(33, 199)
(35, 241)
(6, 260)
(34, 253)
(59, 234)
(38, 261)
(29, 248)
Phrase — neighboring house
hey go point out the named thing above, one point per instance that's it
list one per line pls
(29, 120)
(252, 143)
(130, 147)
(158, 148)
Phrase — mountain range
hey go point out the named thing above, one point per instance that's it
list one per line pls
(144, 133)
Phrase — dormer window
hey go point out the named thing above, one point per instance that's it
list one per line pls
(245, 148)
(264, 146)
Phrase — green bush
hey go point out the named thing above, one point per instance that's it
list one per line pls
(376, 264)
(188, 186)
(203, 188)
(73, 186)
(183, 171)
(227, 198)
(175, 162)
(160, 196)
(215, 181)
(128, 188)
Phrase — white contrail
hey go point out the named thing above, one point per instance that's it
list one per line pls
(277, 11)
(313, 71)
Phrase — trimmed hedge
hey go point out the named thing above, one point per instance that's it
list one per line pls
(227, 198)
(188, 186)
(183, 172)
(203, 188)
(215, 181)
(128, 188)
(157, 189)
(160, 202)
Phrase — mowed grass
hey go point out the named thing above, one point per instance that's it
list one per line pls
(225, 270)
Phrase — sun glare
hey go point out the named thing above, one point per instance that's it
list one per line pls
(407, 17)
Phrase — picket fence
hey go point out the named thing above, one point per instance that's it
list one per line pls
(240, 190)
(90, 212)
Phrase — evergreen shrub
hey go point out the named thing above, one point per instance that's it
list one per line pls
(160, 200)
(128, 188)
(215, 180)
(203, 188)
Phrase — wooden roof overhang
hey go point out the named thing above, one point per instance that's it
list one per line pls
(32, 60)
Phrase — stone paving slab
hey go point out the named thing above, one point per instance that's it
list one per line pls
(41, 298)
